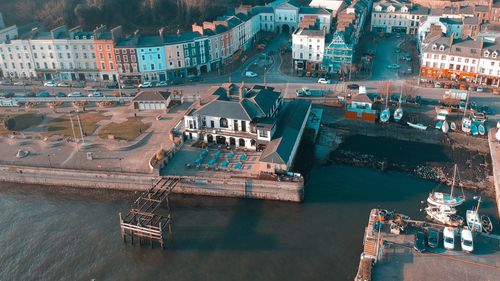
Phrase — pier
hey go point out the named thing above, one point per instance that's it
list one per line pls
(142, 222)
(389, 255)
(495, 161)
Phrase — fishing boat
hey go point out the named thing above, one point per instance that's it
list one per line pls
(385, 115)
(466, 124)
(433, 237)
(481, 129)
(440, 199)
(474, 130)
(486, 224)
(417, 126)
(398, 114)
(434, 214)
(439, 124)
(445, 128)
(443, 209)
(473, 221)
(453, 126)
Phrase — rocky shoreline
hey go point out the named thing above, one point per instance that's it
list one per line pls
(475, 172)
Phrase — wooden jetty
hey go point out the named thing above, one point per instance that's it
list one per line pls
(142, 222)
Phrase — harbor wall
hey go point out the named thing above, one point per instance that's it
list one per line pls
(224, 187)
(495, 162)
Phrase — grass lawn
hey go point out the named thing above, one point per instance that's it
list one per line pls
(23, 122)
(62, 125)
(128, 130)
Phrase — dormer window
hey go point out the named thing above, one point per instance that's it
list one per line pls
(494, 54)
(486, 53)
(441, 48)
(378, 8)
(434, 47)
(404, 9)
(391, 9)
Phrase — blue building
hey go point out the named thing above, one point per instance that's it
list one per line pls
(196, 53)
(151, 58)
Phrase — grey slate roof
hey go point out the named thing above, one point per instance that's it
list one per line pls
(152, 96)
(227, 109)
(279, 150)
(314, 11)
(262, 9)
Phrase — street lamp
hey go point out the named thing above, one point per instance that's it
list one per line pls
(50, 162)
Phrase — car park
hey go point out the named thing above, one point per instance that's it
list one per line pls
(75, 95)
(419, 242)
(352, 86)
(162, 84)
(43, 94)
(146, 84)
(50, 84)
(62, 84)
(324, 81)
(251, 74)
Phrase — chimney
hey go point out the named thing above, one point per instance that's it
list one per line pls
(243, 91)
(197, 28)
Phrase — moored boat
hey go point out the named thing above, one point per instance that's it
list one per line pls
(473, 221)
(486, 224)
(445, 128)
(473, 129)
(398, 114)
(481, 129)
(453, 126)
(444, 199)
(385, 115)
(417, 126)
(444, 219)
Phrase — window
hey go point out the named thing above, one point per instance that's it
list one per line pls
(99, 47)
(223, 123)
(111, 66)
(68, 55)
(125, 58)
(101, 56)
(108, 47)
(443, 57)
(110, 56)
(103, 66)
(263, 134)
(466, 60)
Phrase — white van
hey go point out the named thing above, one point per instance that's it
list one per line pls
(362, 90)
(467, 242)
(449, 238)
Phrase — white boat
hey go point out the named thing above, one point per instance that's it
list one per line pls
(443, 209)
(385, 115)
(417, 126)
(453, 126)
(445, 127)
(467, 241)
(466, 124)
(398, 114)
(449, 238)
(473, 221)
(435, 214)
(439, 198)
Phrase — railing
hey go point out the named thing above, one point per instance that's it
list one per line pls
(70, 99)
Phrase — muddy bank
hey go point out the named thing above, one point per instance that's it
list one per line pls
(428, 161)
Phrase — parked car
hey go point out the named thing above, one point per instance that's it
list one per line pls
(466, 241)
(30, 94)
(75, 94)
(112, 85)
(162, 84)
(352, 86)
(324, 81)
(128, 86)
(479, 89)
(6, 83)
(449, 238)
(261, 46)
(251, 74)
(438, 85)
(303, 92)
(50, 84)
(393, 66)
(20, 83)
(408, 58)
(78, 85)
(60, 95)
(9, 95)
(91, 88)
(96, 94)
(462, 87)
(62, 84)
(419, 244)
(472, 88)
(43, 94)
(146, 84)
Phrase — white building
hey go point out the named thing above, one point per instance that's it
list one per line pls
(489, 65)
(286, 16)
(324, 16)
(391, 16)
(16, 60)
(265, 16)
(332, 5)
(308, 47)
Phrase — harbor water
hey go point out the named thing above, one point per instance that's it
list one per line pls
(66, 234)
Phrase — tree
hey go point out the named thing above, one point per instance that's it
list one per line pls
(9, 124)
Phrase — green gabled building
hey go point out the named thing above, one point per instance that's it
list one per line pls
(339, 51)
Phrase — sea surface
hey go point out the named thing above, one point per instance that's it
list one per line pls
(67, 234)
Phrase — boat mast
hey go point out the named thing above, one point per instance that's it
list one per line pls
(453, 183)
(466, 104)
(400, 95)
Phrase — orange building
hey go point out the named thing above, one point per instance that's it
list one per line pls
(105, 53)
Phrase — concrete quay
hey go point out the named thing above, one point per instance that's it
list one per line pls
(211, 186)
(495, 161)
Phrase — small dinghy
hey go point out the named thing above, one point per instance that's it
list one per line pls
(439, 124)
(445, 128)
(473, 129)
(385, 115)
(486, 224)
(453, 126)
(481, 129)
(398, 114)
(417, 126)
(22, 153)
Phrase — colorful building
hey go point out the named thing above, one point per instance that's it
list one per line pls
(105, 54)
(151, 58)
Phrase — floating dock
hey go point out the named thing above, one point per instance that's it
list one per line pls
(142, 223)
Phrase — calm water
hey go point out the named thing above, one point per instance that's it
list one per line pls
(70, 235)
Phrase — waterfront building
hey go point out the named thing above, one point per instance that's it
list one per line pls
(152, 100)
(489, 64)
(105, 52)
(126, 60)
(308, 46)
(392, 16)
(360, 108)
(196, 53)
(151, 58)
(338, 52)
(265, 16)
(83, 63)
(16, 59)
(7, 32)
